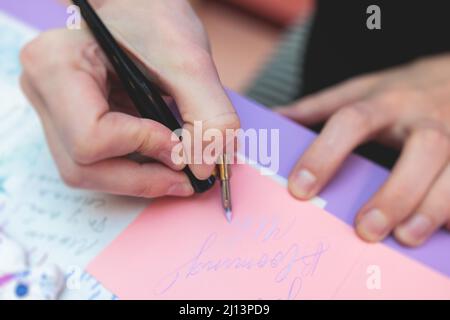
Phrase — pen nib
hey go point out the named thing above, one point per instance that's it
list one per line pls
(228, 215)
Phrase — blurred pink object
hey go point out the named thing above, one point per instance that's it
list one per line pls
(282, 12)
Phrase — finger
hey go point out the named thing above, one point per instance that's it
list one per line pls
(348, 128)
(318, 107)
(425, 155)
(91, 133)
(126, 177)
(117, 134)
(432, 214)
(204, 106)
(117, 176)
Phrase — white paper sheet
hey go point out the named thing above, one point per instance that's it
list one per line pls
(56, 223)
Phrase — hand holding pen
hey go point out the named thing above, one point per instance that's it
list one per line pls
(80, 97)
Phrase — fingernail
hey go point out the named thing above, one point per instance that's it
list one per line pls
(180, 189)
(304, 183)
(417, 227)
(373, 225)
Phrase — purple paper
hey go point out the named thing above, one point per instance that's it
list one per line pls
(41, 14)
(356, 182)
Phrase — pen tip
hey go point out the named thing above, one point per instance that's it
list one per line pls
(228, 215)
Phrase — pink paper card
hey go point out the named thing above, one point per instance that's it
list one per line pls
(275, 248)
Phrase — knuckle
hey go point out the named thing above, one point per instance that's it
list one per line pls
(26, 88)
(400, 97)
(27, 54)
(71, 175)
(228, 120)
(36, 49)
(146, 190)
(356, 116)
(82, 150)
(149, 140)
(34, 56)
(225, 126)
(396, 94)
(197, 63)
(31, 53)
(394, 97)
(396, 205)
(435, 137)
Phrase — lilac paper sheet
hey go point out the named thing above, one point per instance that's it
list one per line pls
(41, 14)
(354, 184)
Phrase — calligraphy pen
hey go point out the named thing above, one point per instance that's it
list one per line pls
(148, 100)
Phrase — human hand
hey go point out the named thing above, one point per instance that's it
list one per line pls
(406, 107)
(89, 121)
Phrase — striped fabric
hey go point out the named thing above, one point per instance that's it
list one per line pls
(280, 80)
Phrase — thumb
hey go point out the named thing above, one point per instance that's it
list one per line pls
(207, 113)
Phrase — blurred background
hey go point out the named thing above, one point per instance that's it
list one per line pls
(257, 44)
(247, 34)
